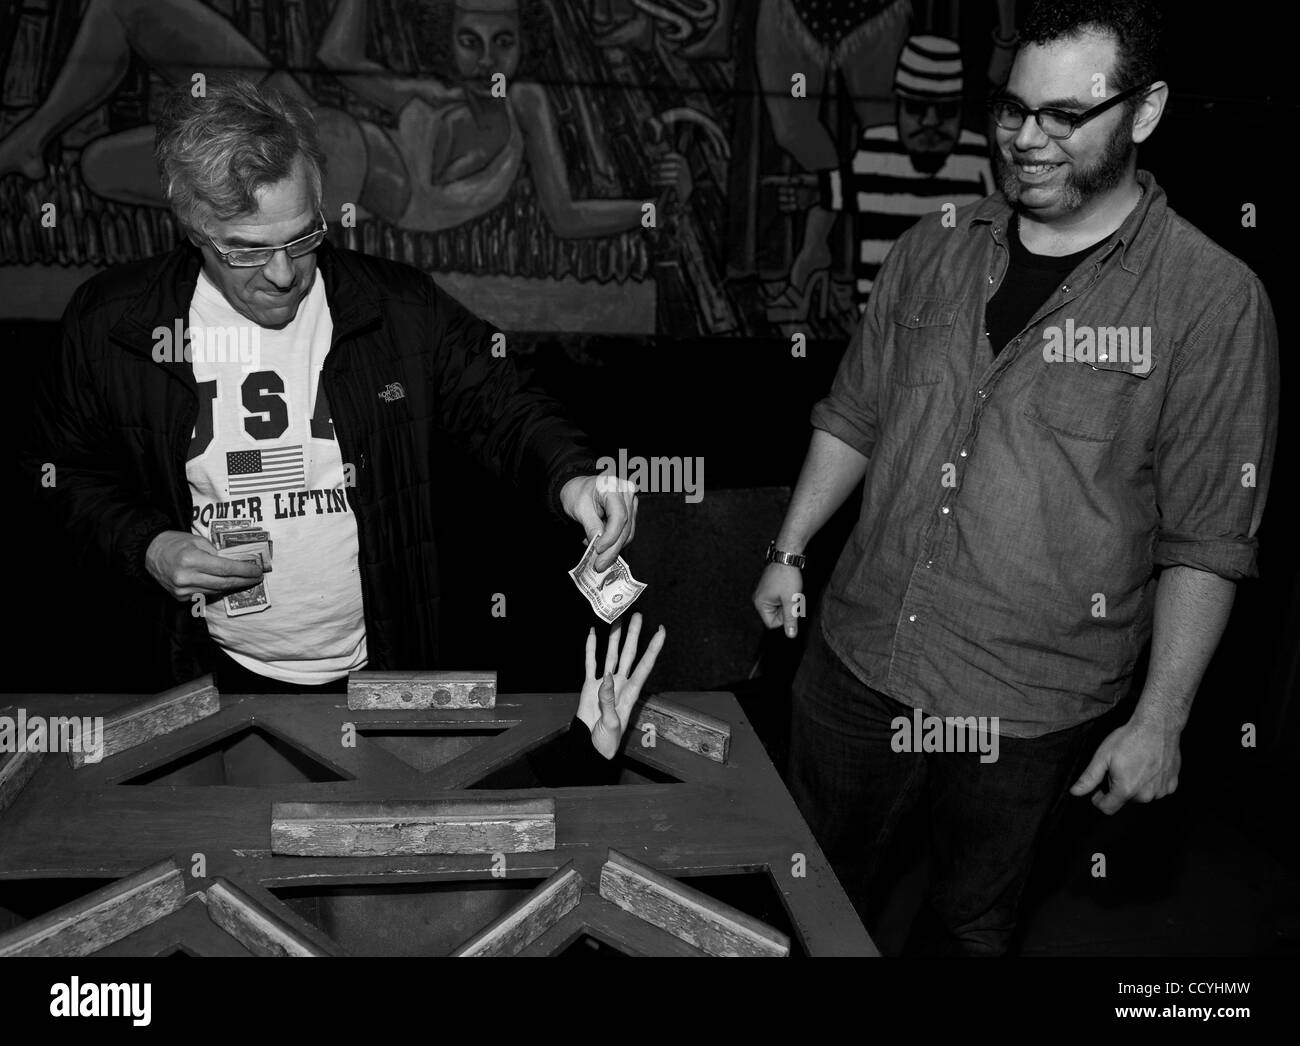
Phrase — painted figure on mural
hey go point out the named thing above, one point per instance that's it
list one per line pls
(453, 155)
(806, 42)
(919, 162)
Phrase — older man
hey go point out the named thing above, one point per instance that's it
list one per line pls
(257, 379)
(1064, 407)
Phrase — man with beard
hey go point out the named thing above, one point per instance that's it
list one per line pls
(1036, 507)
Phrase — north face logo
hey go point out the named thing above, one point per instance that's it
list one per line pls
(392, 391)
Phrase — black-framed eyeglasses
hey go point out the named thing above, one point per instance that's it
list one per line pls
(1055, 123)
(252, 257)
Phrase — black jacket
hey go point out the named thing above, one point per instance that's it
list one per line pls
(116, 424)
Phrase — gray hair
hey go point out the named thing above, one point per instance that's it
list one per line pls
(215, 152)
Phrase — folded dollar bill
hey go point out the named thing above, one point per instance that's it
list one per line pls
(250, 600)
(609, 591)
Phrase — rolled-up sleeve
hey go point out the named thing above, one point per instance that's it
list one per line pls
(850, 411)
(1216, 438)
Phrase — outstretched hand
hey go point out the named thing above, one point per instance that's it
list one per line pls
(606, 702)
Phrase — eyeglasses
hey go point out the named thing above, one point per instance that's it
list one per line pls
(1055, 123)
(252, 257)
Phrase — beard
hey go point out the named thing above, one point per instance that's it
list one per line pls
(930, 162)
(1082, 185)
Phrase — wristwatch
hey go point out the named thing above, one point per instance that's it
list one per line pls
(775, 555)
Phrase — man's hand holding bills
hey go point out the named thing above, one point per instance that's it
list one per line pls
(609, 591)
(243, 539)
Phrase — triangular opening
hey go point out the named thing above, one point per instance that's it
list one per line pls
(551, 765)
(248, 758)
(427, 750)
(753, 893)
(409, 919)
(586, 946)
(24, 899)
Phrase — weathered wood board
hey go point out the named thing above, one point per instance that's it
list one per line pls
(16, 769)
(441, 826)
(107, 915)
(695, 917)
(532, 917)
(260, 931)
(416, 690)
(169, 711)
(685, 727)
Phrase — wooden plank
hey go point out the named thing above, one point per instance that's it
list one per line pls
(253, 925)
(16, 770)
(438, 826)
(189, 930)
(699, 732)
(163, 714)
(696, 918)
(409, 690)
(107, 915)
(528, 920)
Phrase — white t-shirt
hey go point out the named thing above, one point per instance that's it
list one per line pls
(264, 449)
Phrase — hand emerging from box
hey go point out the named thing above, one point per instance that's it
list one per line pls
(606, 702)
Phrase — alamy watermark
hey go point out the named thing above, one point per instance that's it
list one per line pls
(1083, 344)
(931, 733)
(21, 733)
(239, 343)
(658, 475)
(72, 998)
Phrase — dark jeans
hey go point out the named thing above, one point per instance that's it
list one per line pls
(986, 819)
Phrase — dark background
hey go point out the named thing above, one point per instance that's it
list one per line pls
(742, 404)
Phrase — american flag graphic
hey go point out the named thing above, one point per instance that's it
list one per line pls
(262, 471)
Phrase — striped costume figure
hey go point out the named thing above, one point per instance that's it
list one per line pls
(914, 166)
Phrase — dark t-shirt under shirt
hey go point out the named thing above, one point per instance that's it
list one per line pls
(1030, 280)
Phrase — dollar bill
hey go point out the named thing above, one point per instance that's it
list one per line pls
(609, 591)
(250, 600)
(253, 540)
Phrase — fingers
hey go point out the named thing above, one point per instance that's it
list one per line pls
(611, 651)
(590, 662)
(769, 612)
(201, 562)
(788, 616)
(1092, 776)
(631, 530)
(647, 663)
(1110, 802)
(629, 646)
(608, 704)
(617, 519)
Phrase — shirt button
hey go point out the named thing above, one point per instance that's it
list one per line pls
(944, 510)
(1103, 358)
(963, 452)
(927, 563)
(911, 617)
(1065, 289)
(916, 318)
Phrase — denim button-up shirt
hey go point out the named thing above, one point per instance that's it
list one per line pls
(1015, 507)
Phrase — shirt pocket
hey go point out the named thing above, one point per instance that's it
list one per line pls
(1085, 401)
(922, 336)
